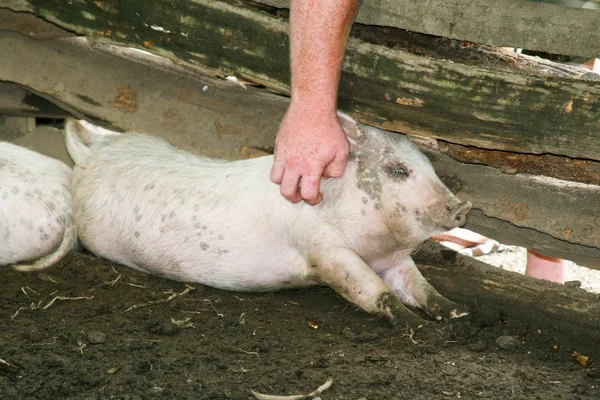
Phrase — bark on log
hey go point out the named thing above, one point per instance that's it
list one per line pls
(219, 118)
(469, 103)
(490, 290)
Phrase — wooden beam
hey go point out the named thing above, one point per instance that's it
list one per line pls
(532, 25)
(506, 104)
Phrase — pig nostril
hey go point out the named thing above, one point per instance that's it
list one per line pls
(458, 216)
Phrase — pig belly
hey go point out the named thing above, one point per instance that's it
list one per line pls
(219, 246)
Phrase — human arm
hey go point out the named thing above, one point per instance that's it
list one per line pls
(310, 142)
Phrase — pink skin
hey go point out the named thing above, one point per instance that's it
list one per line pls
(547, 268)
(311, 143)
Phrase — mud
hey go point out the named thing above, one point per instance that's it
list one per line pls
(213, 344)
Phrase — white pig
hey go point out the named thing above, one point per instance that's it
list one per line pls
(143, 203)
(35, 209)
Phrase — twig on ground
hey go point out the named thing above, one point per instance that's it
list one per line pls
(411, 337)
(114, 281)
(188, 288)
(66, 298)
(317, 392)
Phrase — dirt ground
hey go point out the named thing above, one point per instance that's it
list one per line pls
(212, 344)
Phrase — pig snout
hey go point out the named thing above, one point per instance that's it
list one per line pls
(458, 216)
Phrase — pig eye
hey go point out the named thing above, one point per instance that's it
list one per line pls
(401, 171)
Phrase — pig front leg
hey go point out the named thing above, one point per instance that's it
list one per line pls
(407, 283)
(346, 273)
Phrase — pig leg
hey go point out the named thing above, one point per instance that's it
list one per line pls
(346, 273)
(412, 289)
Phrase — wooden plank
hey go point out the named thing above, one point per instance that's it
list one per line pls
(217, 118)
(136, 91)
(532, 25)
(582, 171)
(386, 85)
(545, 204)
(511, 234)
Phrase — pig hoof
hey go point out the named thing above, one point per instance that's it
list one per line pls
(443, 308)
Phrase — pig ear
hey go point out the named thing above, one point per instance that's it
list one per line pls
(354, 130)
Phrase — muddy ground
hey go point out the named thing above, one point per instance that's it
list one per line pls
(212, 344)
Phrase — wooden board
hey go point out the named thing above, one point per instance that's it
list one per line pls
(134, 91)
(532, 25)
(489, 99)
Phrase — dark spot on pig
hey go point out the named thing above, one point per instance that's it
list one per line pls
(15, 190)
(38, 192)
(136, 234)
(194, 217)
(136, 209)
(51, 206)
(204, 246)
(163, 217)
(105, 203)
(363, 212)
(364, 200)
(148, 187)
(314, 266)
(44, 237)
(377, 206)
(5, 196)
(221, 237)
(172, 215)
(367, 177)
(204, 228)
(28, 195)
(60, 219)
(198, 225)
(56, 192)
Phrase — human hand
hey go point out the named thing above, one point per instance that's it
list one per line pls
(308, 147)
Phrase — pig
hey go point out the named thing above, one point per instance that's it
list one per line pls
(143, 203)
(36, 221)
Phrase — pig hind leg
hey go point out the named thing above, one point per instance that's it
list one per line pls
(412, 289)
(346, 273)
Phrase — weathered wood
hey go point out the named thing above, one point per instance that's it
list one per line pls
(217, 118)
(387, 87)
(510, 234)
(16, 101)
(136, 91)
(576, 170)
(531, 25)
(493, 292)
(545, 204)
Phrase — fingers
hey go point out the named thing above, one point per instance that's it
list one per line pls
(335, 169)
(277, 171)
(309, 189)
(289, 186)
